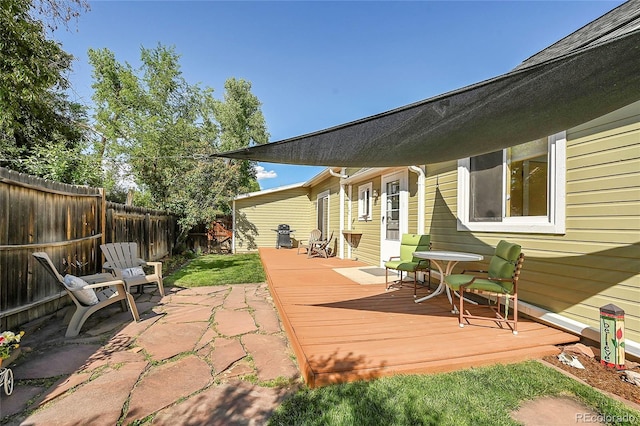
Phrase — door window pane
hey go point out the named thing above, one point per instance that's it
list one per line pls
(392, 222)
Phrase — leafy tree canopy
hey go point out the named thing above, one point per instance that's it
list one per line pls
(161, 131)
(38, 123)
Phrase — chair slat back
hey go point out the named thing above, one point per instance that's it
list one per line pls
(315, 235)
(44, 259)
(121, 255)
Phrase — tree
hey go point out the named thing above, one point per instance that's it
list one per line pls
(164, 131)
(37, 120)
(242, 125)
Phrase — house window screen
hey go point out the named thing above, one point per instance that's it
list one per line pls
(485, 183)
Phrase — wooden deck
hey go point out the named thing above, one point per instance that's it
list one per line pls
(343, 331)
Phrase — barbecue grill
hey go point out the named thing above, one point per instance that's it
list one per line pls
(284, 236)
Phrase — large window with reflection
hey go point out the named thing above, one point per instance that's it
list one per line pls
(518, 189)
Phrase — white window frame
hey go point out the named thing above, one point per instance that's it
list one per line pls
(553, 223)
(365, 202)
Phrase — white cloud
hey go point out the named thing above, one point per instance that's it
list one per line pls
(261, 173)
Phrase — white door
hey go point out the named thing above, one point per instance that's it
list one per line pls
(394, 214)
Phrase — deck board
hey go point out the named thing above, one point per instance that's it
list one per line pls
(341, 330)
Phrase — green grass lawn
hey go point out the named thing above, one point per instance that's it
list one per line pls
(482, 396)
(218, 269)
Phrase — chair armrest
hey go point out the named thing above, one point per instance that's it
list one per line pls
(105, 284)
(394, 257)
(157, 267)
(475, 270)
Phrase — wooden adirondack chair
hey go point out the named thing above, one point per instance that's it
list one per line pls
(110, 291)
(315, 235)
(123, 261)
(321, 248)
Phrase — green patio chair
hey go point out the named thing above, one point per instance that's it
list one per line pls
(500, 280)
(406, 262)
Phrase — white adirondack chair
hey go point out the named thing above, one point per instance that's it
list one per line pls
(110, 291)
(123, 261)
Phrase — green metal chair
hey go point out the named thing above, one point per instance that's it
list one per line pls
(500, 280)
(406, 262)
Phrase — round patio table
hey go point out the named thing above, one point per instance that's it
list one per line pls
(438, 258)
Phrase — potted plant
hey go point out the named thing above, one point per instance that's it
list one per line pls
(9, 342)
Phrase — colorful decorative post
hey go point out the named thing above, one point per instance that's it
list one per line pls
(612, 336)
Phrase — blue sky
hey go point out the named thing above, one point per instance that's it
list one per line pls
(317, 64)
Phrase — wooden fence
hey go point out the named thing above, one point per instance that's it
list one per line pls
(69, 223)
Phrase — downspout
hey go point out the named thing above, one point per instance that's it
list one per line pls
(349, 218)
(421, 196)
(233, 227)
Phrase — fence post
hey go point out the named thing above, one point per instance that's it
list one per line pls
(147, 236)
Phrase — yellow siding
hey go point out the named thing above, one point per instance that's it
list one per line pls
(596, 262)
(368, 250)
(256, 217)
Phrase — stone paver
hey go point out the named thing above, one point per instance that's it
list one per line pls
(187, 313)
(226, 352)
(235, 299)
(99, 402)
(165, 340)
(270, 356)
(234, 323)
(10, 405)
(62, 386)
(550, 411)
(104, 373)
(265, 316)
(167, 383)
(56, 361)
(228, 404)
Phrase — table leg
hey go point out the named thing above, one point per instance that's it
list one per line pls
(441, 287)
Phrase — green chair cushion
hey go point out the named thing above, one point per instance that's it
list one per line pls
(456, 280)
(411, 243)
(402, 265)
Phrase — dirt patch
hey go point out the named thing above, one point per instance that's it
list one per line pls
(601, 377)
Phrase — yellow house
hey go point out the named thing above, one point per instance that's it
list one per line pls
(569, 196)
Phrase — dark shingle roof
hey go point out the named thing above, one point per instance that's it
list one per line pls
(621, 20)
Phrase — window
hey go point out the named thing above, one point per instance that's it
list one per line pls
(365, 201)
(519, 189)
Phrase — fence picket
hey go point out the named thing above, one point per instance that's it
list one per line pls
(69, 222)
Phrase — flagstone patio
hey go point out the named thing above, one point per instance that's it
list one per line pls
(204, 354)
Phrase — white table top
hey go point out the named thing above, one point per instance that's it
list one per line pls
(455, 256)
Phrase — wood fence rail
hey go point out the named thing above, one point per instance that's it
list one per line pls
(69, 222)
